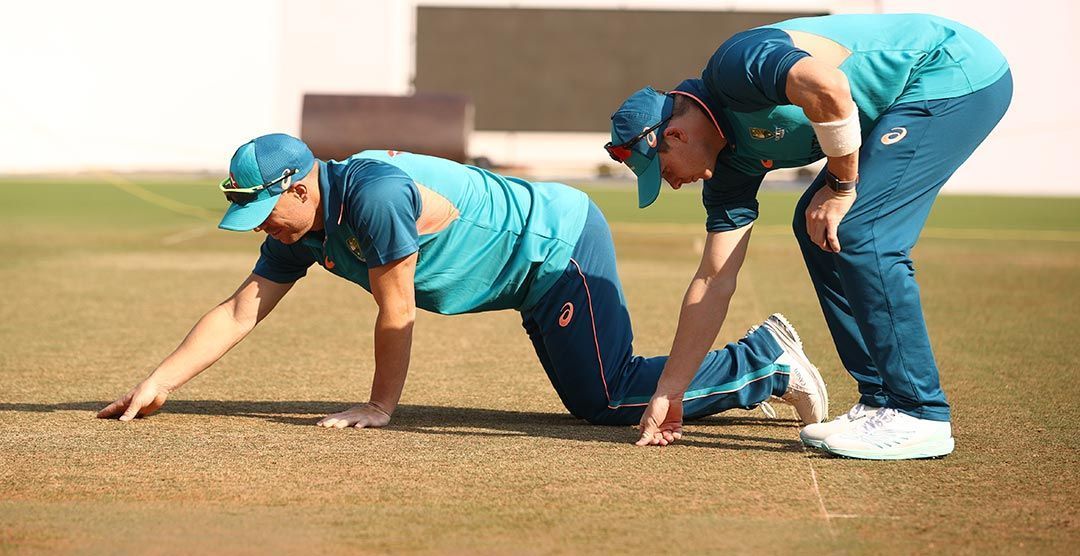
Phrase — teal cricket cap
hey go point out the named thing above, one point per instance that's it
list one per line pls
(262, 161)
(643, 110)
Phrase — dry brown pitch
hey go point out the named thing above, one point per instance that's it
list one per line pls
(99, 286)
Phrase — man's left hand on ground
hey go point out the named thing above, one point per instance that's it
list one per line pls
(362, 416)
(824, 214)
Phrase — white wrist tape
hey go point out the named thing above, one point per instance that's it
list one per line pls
(841, 137)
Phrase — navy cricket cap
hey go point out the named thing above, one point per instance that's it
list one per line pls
(261, 161)
(644, 109)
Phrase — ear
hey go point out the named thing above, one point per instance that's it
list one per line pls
(301, 191)
(675, 133)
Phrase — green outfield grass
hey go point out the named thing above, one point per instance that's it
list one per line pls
(103, 277)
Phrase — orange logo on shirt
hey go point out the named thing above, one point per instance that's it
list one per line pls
(329, 263)
(766, 163)
(566, 314)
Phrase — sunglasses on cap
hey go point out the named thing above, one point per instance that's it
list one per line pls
(621, 152)
(244, 195)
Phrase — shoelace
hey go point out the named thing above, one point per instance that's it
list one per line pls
(855, 410)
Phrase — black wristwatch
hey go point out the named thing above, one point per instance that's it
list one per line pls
(838, 185)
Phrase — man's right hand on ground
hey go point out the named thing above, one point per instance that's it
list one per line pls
(141, 401)
(365, 415)
(662, 422)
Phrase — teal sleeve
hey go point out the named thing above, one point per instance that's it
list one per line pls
(283, 263)
(730, 199)
(749, 71)
(383, 206)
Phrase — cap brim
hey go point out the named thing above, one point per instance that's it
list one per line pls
(244, 218)
(648, 183)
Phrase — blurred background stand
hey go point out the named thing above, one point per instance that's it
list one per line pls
(337, 126)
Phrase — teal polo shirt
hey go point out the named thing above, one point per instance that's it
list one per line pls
(894, 59)
(485, 241)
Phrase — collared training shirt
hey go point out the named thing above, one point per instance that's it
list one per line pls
(891, 59)
(485, 241)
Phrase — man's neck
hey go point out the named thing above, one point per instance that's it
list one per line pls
(715, 141)
(319, 222)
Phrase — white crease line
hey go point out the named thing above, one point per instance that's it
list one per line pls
(755, 306)
(817, 490)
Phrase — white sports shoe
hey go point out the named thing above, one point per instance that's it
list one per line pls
(814, 435)
(806, 389)
(890, 434)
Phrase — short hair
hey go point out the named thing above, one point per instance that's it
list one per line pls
(682, 105)
(679, 108)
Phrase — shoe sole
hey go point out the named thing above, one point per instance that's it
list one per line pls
(790, 340)
(926, 450)
(810, 443)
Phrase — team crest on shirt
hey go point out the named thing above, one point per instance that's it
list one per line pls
(354, 246)
(761, 133)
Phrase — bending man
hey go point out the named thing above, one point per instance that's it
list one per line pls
(896, 103)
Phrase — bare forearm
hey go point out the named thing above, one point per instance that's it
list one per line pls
(393, 348)
(213, 336)
(704, 309)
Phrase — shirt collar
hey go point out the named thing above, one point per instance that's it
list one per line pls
(332, 183)
(331, 205)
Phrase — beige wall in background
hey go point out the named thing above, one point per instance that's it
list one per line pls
(176, 86)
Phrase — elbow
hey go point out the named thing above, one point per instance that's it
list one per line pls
(826, 97)
(837, 94)
(242, 321)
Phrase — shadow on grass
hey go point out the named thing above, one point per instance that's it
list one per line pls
(463, 421)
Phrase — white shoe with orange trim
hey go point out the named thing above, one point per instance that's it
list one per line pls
(806, 389)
